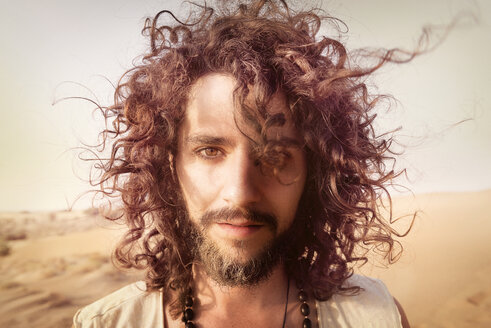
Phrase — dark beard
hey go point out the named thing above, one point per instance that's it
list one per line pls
(231, 272)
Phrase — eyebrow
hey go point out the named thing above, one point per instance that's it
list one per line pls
(199, 139)
(208, 140)
(289, 142)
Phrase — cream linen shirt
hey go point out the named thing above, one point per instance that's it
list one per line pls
(133, 307)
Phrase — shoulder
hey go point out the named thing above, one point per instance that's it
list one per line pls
(372, 290)
(123, 308)
(373, 306)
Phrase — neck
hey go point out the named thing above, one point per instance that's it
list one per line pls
(224, 299)
(261, 305)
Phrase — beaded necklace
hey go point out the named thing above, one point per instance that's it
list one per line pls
(188, 313)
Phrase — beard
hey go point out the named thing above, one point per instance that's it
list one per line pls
(229, 270)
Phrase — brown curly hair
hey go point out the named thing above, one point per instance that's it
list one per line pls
(267, 45)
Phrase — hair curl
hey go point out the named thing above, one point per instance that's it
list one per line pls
(268, 46)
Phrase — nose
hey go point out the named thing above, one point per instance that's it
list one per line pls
(241, 188)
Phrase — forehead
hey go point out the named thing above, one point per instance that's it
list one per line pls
(210, 106)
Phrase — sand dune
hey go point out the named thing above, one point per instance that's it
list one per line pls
(59, 262)
(444, 276)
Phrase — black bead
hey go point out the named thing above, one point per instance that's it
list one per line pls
(189, 301)
(188, 314)
(307, 323)
(302, 296)
(190, 324)
(304, 308)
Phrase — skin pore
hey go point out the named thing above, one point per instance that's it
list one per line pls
(217, 170)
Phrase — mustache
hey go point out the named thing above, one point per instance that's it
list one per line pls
(229, 214)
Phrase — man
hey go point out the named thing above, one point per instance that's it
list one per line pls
(248, 169)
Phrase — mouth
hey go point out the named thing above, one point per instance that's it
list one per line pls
(239, 229)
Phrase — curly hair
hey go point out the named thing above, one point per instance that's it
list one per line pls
(267, 45)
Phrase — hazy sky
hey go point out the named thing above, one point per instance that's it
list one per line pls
(47, 43)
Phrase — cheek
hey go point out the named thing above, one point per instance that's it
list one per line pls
(286, 201)
(197, 187)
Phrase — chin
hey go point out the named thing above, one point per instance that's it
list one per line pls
(238, 265)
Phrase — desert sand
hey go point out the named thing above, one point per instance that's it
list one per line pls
(56, 262)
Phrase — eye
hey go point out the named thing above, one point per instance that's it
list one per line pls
(208, 152)
(277, 158)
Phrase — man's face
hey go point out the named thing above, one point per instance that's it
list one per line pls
(238, 208)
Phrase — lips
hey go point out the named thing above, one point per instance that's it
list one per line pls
(238, 229)
(240, 223)
(239, 218)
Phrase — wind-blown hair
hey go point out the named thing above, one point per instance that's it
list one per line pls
(266, 47)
